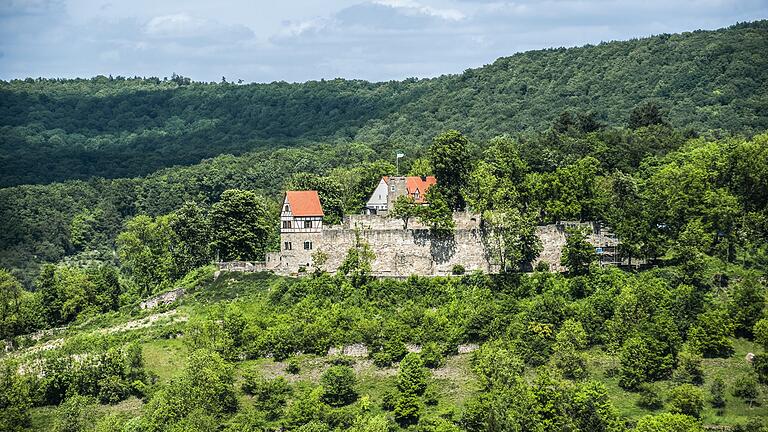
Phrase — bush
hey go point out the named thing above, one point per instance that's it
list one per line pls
(293, 366)
(717, 393)
(760, 364)
(430, 396)
(458, 270)
(760, 331)
(745, 388)
(686, 399)
(338, 384)
(15, 399)
(388, 400)
(113, 389)
(668, 423)
(269, 396)
(689, 369)
(75, 414)
(432, 356)
(412, 377)
(407, 410)
(650, 397)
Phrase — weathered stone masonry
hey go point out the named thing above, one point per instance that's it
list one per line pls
(401, 253)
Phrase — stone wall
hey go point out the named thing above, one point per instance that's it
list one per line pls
(401, 253)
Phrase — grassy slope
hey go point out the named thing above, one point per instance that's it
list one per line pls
(454, 382)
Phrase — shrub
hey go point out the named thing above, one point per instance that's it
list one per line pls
(432, 356)
(650, 397)
(15, 399)
(458, 270)
(430, 396)
(745, 388)
(711, 335)
(668, 423)
(75, 414)
(686, 399)
(760, 364)
(293, 366)
(113, 389)
(760, 331)
(717, 393)
(338, 384)
(412, 377)
(689, 369)
(407, 410)
(388, 400)
(269, 396)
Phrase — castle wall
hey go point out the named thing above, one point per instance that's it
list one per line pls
(401, 252)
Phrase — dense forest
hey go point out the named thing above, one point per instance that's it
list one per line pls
(55, 130)
(668, 147)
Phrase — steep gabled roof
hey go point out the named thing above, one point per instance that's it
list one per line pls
(414, 183)
(304, 203)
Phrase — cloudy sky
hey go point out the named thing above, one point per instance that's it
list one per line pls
(298, 40)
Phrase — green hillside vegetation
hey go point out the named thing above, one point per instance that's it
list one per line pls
(55, 130)
(680, 177)
(596, 352)
(592, 349)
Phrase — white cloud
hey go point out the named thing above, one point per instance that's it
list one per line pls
(297, 40)
(411, 6)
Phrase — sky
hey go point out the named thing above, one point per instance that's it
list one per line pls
(300, 40)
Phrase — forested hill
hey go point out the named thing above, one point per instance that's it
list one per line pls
(53, 130)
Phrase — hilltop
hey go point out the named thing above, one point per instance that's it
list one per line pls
(55, 130)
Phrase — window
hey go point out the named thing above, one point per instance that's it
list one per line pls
(392, 188)
(307, 224)
(287, 246)
(287, 209)
(286, 224)
(308, 245)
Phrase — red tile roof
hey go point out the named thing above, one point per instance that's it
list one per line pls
(414, 183)
(304, 203)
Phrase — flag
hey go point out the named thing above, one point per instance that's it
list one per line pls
(399, 155)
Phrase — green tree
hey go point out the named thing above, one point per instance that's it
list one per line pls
(568, 342)
(15, 399)
(510, 238)
(339, 384)
(206, 383)
(746, 388)
(746, 304)
(407, 409)
(412, 376)
(437, 215)
(686, 399)
(450, 160)
(689, 369)
(144, 248)
(76, 414)
(192, 237)
(404, 208)
(626, 214)
(330, 191)
(717, 393)
(244, 224)
(578, 253)
(760, 330)
(711, 335)
(668, 423)
(357, 265)
(646, 114)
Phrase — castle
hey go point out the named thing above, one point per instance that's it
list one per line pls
(400, 252)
